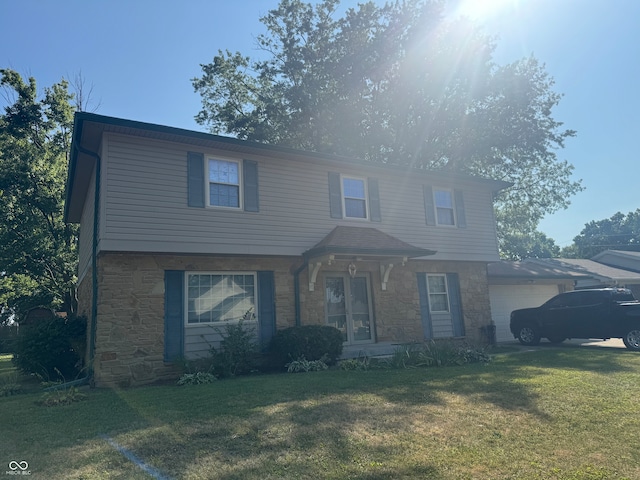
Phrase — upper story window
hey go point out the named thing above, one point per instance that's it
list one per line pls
(444, 206)
(445, 213)
(224, 183)
(438, 293)
(354, 194)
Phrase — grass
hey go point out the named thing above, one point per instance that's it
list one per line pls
(556, 413)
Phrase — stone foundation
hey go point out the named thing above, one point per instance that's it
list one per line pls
(130, 324)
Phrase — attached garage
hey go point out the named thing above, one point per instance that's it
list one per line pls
(514, 285)
(506, 298)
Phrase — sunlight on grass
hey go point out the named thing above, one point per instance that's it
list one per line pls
(541, 415)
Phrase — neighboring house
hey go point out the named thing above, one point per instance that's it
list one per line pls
(601, 275)
(619, 259)
(182, 232)
(514, 285)
(530, 283)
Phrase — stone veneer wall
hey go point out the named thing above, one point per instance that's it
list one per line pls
(397, 309)
(130, 325)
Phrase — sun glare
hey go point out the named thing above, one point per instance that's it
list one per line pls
(483, 9)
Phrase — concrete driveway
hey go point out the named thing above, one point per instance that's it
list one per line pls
(592, 342)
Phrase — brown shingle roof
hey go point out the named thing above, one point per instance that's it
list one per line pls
(364, 241)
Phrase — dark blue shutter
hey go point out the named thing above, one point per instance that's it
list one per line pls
(173, 315)
(455, 304)
(195, 179)
(374, 200)
(266, 307)
(250, 176)
(335, 195)
(461, 217)
(429, 207)
(425, 314)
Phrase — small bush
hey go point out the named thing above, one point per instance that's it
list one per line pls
(436, 353)
(51, 348)
(8, 336)
(304, 365)
(309, 341)
(10, 386)
(197, 378)
(409, 356)
(238, 353)
(355, 364)
(65, 396)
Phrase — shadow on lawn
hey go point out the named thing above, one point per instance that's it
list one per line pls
(360, 425)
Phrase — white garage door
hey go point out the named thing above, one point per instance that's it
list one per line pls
(506, 298)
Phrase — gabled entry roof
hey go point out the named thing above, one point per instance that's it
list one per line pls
(350, 242)
(361, 243)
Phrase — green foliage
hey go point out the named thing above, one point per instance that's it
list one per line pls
(65, 396)
(436, 353)
(356, 364)
(304, 365)
(197, 378)
(238, 353)
(52, 348)
(8, 337)
(397, 84)
(312, 342)
(38, 251)
(620, 232)
(9, 385)
(518, 246)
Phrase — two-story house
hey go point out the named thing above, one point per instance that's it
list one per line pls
(182, 231)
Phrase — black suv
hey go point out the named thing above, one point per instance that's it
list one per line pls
(594, 313)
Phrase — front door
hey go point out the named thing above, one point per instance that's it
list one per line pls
(348, 307)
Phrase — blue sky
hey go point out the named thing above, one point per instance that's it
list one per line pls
(140, 55)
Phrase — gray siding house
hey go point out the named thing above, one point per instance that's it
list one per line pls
(182, 231)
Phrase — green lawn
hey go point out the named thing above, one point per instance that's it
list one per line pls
(558, 413)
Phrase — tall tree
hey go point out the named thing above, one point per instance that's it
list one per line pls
(37, 249)
(534, 245)
(620, 232)
(397, 84)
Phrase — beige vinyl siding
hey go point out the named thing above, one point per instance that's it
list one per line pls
(146, 207)
(442, 325)
(198, 339)
(85, 238)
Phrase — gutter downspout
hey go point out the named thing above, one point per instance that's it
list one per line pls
(88, 377)
(296, 290)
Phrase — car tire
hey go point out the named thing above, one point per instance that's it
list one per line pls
(631, 339)
(529, 335)
(556, 339)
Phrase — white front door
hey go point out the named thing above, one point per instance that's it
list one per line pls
(348, 307)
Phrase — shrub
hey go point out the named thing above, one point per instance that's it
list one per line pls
(309, 341)
(436, 353)
(238, 353)
(8, 335)
(51, 348)
(197, 378)
(304, 365)
(65, 396)
(10, 386)
(357, 364)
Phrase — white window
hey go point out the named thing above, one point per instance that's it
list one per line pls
(445, 212)
(438, 294)
(354, 197)
(224, 183)
(214, 297)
